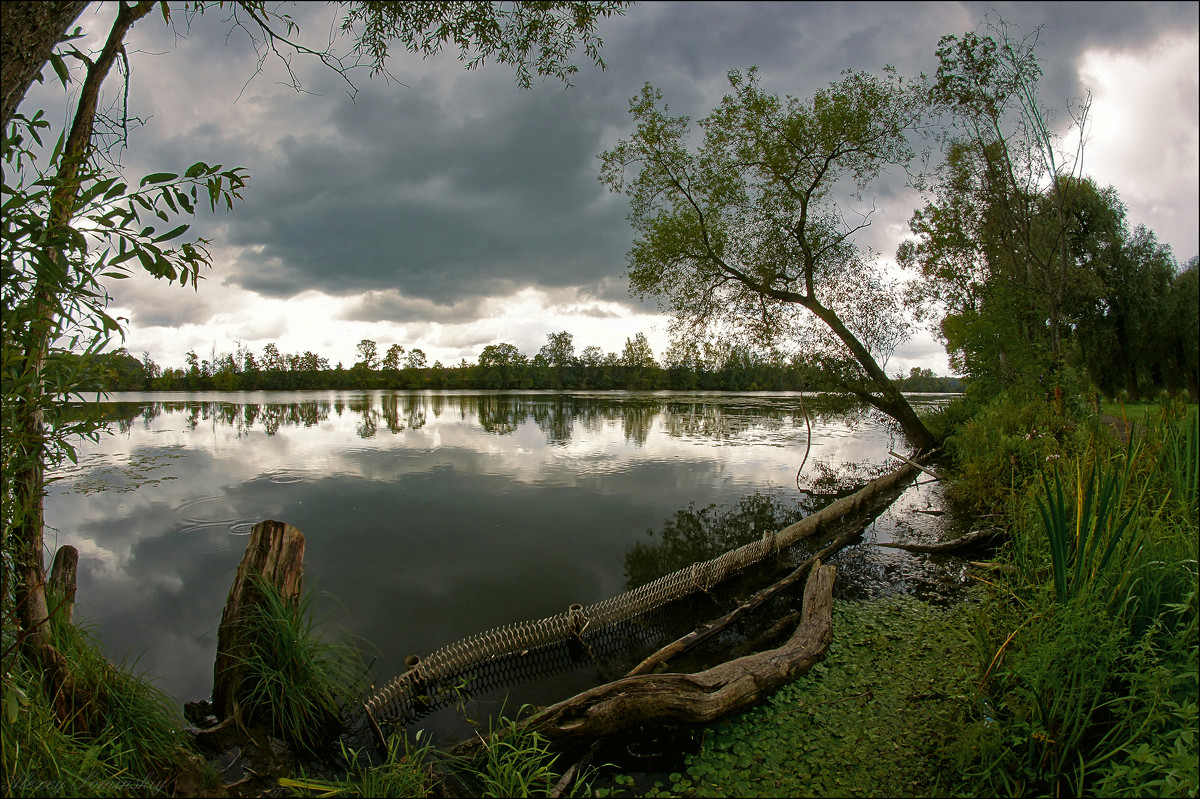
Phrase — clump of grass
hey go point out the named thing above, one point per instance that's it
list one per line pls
(1085, 529)
(405, 771)
(123, 739)
(292, 679)
(514, 762)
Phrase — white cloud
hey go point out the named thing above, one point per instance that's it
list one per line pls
(1145, 138)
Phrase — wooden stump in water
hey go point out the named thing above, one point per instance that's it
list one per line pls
(63, 576)
(275, 554)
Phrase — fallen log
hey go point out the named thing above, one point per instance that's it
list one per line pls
(274, 555)
(621, 706)
(962, 542)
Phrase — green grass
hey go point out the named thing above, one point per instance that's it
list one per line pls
(293, 679)
(125, 741)
(1089, 652)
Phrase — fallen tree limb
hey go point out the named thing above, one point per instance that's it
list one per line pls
(631, 702)
(925, 469)
(963, 542)
(855, 510)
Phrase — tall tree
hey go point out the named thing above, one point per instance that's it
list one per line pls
(746, 230)
(559, 352)
(986, 88)
(1180, 345)
(1120, 332)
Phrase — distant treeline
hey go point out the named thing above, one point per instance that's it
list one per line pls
(499, 366)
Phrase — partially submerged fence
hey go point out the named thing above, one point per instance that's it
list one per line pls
(504, 655)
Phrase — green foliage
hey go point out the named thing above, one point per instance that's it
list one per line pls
(405, 771)
(1007, 443)
(867, 721)
(533, 38)
(292, 679)
(1181, 462)
(514, 762)
(1088, 652)
(1085, 532)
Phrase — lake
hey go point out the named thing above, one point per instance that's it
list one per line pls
(430, 516)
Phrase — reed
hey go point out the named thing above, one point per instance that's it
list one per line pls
(1091, 647)
(122, 739)
(1085, 529)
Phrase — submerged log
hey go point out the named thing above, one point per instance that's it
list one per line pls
(706, 631)
(274, 555)
(962, 542)
(631, 702)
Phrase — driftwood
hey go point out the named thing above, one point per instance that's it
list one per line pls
(63, 577)
(274, 554)
(853, 512)
(631, 702)
(962, 542)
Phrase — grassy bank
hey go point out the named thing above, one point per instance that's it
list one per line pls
(1075, 671)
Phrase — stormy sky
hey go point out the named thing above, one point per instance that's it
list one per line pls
(453, 210)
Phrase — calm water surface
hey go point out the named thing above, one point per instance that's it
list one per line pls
(433, 515)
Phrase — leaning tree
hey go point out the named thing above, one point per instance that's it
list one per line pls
(751, 228)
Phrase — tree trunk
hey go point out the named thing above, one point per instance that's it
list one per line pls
(28, 33)
(29, 481)
(890, 400)
(274, 555)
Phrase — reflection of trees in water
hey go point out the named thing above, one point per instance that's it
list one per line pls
(707, 420)
(637, 419)
(365, 408)
(556, 419)
(835, 480)
(499, 413)
(716, 418)
(402, 411)
(693, 535)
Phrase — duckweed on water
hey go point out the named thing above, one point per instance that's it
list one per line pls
(870, 720)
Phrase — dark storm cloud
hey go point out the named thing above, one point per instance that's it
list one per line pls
(1070, 29)
(409, 196)
(390, 306)
(459, 186)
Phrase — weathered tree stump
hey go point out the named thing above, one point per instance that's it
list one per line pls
(275, 554)
(63, 578)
